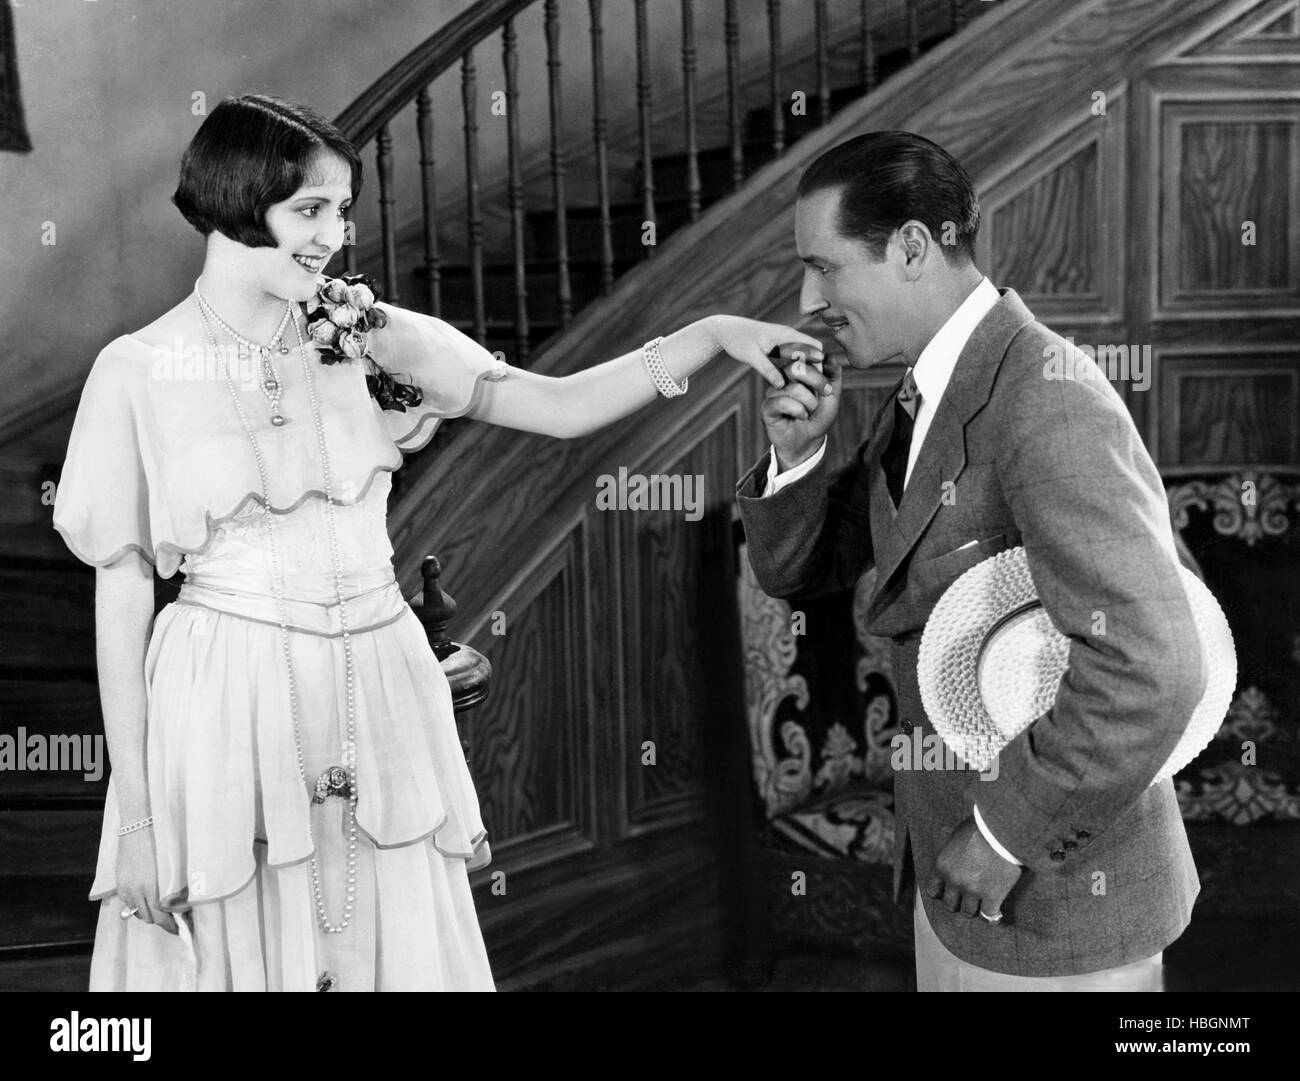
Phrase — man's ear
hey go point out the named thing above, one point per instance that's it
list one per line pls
(916, 246)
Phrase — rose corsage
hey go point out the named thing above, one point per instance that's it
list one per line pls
(340, 318)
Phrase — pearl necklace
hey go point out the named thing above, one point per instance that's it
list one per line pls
(350, 744)
(271, 386)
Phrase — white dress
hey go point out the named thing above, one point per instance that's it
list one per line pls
(158, 461)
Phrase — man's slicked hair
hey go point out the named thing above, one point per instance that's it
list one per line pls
(886, 178)
(251, 152)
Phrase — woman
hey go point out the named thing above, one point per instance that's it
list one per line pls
(289, 806)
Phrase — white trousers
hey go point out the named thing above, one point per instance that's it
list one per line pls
(938, 969)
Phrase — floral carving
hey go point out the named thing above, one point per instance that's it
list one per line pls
(770, 651)
(1237, 794)
(1251, 716)
(1247, 505)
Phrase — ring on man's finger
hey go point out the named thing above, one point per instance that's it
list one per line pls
(992, 919)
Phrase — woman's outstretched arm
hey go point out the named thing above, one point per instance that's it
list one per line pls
(124, 605)
(581, 403)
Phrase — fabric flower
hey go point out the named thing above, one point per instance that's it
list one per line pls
(344, 316)
(324, 333)
(339, 319)
(352, 345)
(335, 291)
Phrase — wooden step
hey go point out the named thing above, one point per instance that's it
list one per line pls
(584, 229)
(499, 287)
(757, 124)
(45, 912)
(47, 625)
(50, 843)
(713, 165)
(49, 709)
(58, 969)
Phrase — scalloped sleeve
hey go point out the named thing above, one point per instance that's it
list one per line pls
(448, 366)
(102, 503)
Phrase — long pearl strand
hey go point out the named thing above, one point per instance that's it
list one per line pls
(349, 748)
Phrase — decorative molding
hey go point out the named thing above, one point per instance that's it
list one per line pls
(1248, 521)
(770, 651)
(1237, 794)
(874, 666)
(1258, 32)
(1055, 220)
(531, 754)
(668, 582)
(1222, 408)
(1252, 716)
(1244, 140)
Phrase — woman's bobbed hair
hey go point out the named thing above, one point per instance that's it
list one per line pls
(251, 152)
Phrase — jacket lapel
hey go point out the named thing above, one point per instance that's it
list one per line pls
(943, 454)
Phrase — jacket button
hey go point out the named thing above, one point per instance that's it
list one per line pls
(906, 725)
(1058, 855)
(1069, 846)
(1083, 835)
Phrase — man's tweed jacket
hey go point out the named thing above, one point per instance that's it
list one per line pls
(1014, 456)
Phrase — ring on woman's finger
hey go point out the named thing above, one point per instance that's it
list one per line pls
(127, 913)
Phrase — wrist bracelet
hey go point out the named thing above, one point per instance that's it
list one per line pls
(133, 826)
(654, 364)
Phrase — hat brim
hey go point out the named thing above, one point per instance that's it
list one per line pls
(991, 661)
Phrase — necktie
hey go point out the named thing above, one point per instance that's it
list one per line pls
(894, 460)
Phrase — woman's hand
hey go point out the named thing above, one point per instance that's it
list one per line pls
(765, 347)
(137, 879)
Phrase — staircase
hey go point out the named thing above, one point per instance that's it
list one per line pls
(515, 298)
(48, 827)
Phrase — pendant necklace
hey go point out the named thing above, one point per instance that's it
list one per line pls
(270, 383)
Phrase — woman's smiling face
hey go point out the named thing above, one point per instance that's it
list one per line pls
(308, 228)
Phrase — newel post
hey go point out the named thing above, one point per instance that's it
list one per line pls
(466, 669)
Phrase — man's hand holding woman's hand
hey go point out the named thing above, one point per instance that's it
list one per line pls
(799, 414)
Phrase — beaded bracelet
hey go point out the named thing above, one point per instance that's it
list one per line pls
(654, 364)
(133, 826)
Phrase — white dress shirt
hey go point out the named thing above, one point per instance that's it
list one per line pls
(932, 372)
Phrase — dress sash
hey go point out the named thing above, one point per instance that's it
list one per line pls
(374, 599)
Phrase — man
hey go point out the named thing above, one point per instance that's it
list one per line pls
(1060, 869)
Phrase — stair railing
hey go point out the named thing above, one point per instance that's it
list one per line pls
(369, 120)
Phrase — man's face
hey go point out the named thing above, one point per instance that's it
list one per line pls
(861, 300)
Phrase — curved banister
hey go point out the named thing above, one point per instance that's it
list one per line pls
(665, 203)
(397, 87)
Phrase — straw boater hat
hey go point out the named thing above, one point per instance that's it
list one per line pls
(991, 661)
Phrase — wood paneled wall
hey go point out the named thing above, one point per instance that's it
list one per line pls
(1171, 222)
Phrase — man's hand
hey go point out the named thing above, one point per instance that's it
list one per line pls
(969, 876)
(799, 414)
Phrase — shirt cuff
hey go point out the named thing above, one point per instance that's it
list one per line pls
(993, 841)
(776, 481)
